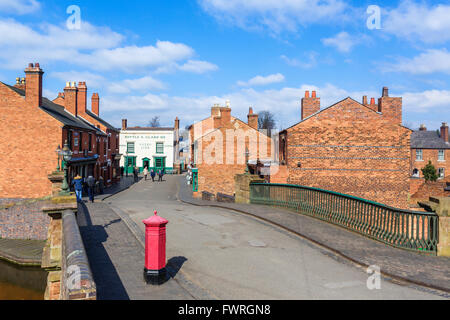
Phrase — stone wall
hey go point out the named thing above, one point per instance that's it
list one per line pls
(242, 186)
(24, 220)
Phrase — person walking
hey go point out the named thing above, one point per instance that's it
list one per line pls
(78, 185)
(91, 184)
(160, 174)
(153, 174)
(135, 174)
(145, 173)
(101, 184)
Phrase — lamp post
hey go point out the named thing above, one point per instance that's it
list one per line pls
(58, 152)
(247, 155)
(67, 156)
(126, 160)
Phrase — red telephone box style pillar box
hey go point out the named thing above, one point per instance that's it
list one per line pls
(155, 250)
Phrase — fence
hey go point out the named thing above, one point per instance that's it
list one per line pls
(417, 231)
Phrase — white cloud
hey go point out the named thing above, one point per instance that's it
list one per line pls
(343, 42)
(430, 24)
(309, 62)
(430, 61)
(91, 79)
(274, 15)
(19, 6)
(262, 81)
(426, 101)
(93, 47)
(196, 66)
(142, 84)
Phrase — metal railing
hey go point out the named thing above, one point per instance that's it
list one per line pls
(412, 230)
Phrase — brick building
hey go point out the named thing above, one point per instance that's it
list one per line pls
(105, 145)
(360, 149)
(428, 146)
(32, 127)
(218, 148)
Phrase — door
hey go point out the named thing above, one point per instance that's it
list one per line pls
(130, 163)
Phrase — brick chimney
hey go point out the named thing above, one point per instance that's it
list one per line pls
(391, 108)
(364, 100)
(95, 104)
(124, 124)
(444, 131)
(310, 105)
(252, 119)
(177, 123)
(82, 97)
(33, 85)
(422, 128)
(70, 98)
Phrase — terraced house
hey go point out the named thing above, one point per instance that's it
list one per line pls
(33, 127)
(360, 149)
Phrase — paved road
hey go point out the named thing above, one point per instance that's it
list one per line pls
(226, 255)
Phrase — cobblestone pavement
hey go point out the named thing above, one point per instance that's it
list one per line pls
(222, 254)
(429, 271)
(117, 258)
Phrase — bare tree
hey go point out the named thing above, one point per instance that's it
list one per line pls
(154, 122)
(266, 120)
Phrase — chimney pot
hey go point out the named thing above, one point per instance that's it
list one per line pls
(30, 65)
(307, 94)
(36, 65)
(385, 92)
(372, 100)
(422, 127)
(314, 94)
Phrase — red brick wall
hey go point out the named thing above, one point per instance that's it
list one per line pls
(219, 177)
(430, 155)
(353, 150)
(28, 140)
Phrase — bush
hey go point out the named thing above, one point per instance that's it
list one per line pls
(429, 172)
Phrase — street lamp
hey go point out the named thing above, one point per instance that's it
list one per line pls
(67, 156)
(58, 152)
(126, 160)
(247, 155)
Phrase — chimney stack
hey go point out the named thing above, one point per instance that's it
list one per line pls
(82, 97)
(391, 108)
(252, 119)
(177, 123)
(310, 105)
(444, 132)
(422, 128)
(95, 104)
(124, 124)
(33, 85)
(70, 98)
(364, 101)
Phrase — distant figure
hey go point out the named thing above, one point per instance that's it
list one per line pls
(121, 171)
(91, 184)
(145, 173)
(160, 174)
(135, 174)
(78, 184)
(101, 184)
(153, 174)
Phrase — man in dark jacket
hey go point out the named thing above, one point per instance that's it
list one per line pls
(91, 184)
(78, 184)
(153, 174)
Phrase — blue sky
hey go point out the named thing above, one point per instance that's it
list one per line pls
(177, 58)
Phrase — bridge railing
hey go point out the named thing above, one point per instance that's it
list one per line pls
(417, 231)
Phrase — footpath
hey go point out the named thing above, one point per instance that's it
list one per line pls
(395, 264)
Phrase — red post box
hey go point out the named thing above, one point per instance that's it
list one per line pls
(155, 250)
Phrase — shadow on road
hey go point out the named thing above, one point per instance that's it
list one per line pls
(174, 265)
(109, 285)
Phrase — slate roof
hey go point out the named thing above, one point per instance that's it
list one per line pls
(427, 140)
(57, 112)
(149, 129)
(106, 124)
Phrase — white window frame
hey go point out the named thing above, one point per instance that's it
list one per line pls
(441, 155)
(419, 152)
